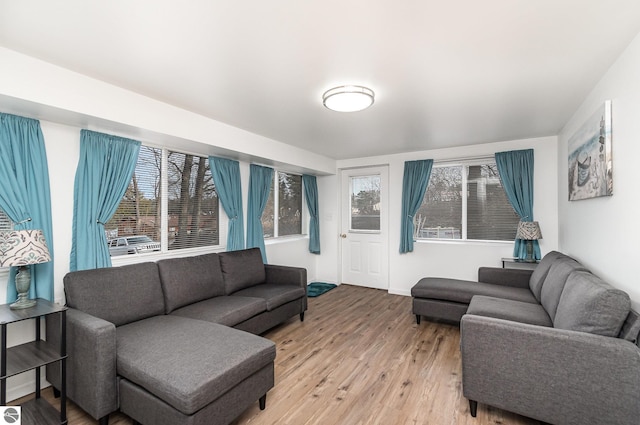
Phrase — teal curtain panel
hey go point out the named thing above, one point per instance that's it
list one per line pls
(25, 195)
(105, 168)
(414, 185)
(516, 172)
(311, 196)
(226, 176)
(260, 182)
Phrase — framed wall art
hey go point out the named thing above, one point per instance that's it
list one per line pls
(590, 163)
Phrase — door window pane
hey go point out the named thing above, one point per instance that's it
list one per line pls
(365, 203)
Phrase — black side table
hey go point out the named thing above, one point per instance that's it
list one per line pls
(34, 355)
(516, 263)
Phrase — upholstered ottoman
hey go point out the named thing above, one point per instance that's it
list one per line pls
(448, 299)
(176, 370)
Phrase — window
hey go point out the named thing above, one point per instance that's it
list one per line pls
(283, 214)
(365, 203)
(466, 202)
(5, 222)
(167, 187)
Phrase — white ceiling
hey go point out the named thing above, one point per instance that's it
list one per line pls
(445, 72)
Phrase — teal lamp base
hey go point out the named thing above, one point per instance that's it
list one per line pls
(530, 258)
(23, 282)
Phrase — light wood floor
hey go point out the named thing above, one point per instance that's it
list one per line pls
(360, 359)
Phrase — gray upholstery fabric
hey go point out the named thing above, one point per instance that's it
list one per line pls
(553, 375)
(242, 269)
(190, 279)
(119, 295)
(540, 273)
(205, 360)
(516, 311)
(225, 310)
(275, 294)
(267, 320)
(631, 328)
(91, 361)
(289, 276)
(554, 283)
(462, 291)
(148, 409)
(448, 311)
(509, 277)
(591, 305)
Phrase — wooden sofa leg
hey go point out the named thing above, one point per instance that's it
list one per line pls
(418, 319)
(263, 402)
(104, 420)
(302, 316)
(473, 407)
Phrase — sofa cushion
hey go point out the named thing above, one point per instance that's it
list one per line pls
(588, 304)
(119, 295)
(554, 283)
(190, 279)
(462, 291)
(188, 363)
(275, 294)
(225, 310)
(631, 328)
(242, 269)
(516, 311)
(540, 272)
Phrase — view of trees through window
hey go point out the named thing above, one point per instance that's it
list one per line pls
(192, 202)
(283, 214)
(365, 203)
(474, 188)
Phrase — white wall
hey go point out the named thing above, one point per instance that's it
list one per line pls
(601, 232)
(454, 259)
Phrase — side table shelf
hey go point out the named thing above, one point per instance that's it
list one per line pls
(32, 356)
(516, 263)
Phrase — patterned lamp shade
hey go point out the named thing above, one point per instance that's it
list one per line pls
(23, 247)
(529, 230)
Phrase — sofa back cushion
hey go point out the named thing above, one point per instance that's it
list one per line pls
(540, 273)
(554, 283)
(190, 279)
(631, 328)
(242, 269)
(119, 295)
(588, 304)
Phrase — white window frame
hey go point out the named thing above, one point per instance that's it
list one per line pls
(304, 211)
(463, 231)
(223, 220)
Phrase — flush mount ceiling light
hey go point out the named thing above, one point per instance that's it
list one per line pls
(348, 98)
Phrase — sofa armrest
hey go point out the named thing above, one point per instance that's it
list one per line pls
(507, 277)
(287, 275)
(553, 375)
(91, 361)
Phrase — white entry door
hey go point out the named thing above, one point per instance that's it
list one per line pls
(365, 222)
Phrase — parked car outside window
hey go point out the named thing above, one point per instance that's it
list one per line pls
(132, 245)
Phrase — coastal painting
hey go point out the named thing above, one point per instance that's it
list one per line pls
(590, 164)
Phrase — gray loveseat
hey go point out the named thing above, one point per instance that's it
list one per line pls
(557, 344)
(174, 342)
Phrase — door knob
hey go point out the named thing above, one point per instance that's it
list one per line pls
(343, 235)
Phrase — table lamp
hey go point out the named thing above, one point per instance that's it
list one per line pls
(21, 248)
(529, 231)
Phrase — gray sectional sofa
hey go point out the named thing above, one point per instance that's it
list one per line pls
(557, 344)
(175, 342)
